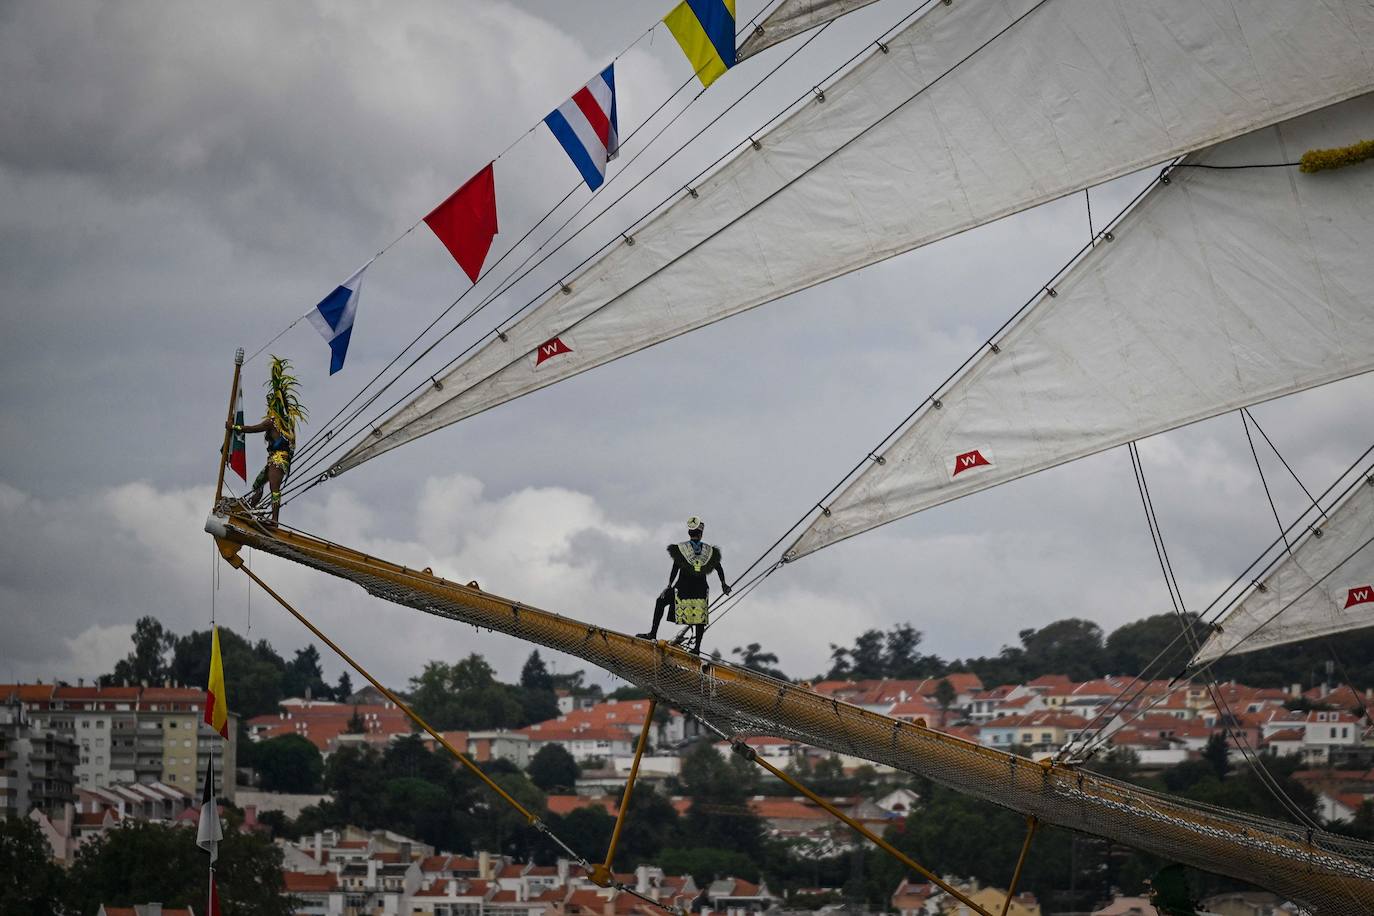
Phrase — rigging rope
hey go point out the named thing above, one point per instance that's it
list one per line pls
(801, 99)
(991, 341)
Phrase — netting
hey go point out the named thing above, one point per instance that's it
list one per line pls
(1327, 873)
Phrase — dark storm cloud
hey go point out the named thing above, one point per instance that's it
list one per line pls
(179, 179)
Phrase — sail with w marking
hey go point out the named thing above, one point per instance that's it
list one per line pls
(975, 111)
(1222, 288)
(1325, 586)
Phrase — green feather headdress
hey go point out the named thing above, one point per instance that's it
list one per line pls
(284, 408)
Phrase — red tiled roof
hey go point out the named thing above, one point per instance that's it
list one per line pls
(511, 871)
(1287, 734)
(299, 882)
(503, 897)
(563, 804)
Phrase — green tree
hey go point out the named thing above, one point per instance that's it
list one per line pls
(343, 688)
(534, 675)
(147, 663)
(945, 696)
(252, 673)
(1072, 647)
(142, 861)
(288, 763)
(901, 656)
(754, 658)
(303, 675)
(1133, 646)
(355, 724)
(1218, 756)
(553, 768)
(720, 816)
(466, 695)
(353, 775)
(30, 884)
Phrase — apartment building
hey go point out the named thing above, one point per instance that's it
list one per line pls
(37, 763)
(132, 734)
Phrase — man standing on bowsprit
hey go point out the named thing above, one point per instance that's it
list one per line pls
(693, 561)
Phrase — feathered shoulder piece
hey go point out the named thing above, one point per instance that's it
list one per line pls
(284, 408)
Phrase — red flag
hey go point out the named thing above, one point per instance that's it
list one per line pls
(214, 895)
(466, 222)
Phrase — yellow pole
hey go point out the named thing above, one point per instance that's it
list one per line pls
(749, 753)
(237, 562)
(1031, 824)
(602, 874)
(224, 450)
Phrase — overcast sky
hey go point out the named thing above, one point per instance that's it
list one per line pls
(177, 180)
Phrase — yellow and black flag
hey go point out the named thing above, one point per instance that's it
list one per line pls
(706, 31)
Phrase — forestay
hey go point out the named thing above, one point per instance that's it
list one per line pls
(1325, 586)
(1222, 289)
(972, 113)
(792, 17)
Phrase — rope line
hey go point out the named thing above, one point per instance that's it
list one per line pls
(819, 505)
(768, 123)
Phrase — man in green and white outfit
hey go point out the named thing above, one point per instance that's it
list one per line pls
(688, 592)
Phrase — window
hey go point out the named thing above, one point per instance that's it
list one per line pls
(85, 724)
(99, 761)
(171, 777)
(99, 723)
(172, 724)
(186, 742)
(1046, 737)
(1345, 732)
(99, 742)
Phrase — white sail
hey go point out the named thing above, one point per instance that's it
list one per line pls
(1325, 586)
(792, 17)
(975, 111)
(1222, 289)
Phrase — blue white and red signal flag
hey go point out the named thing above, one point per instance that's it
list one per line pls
(587, 127)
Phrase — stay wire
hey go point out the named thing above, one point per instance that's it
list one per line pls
(1091, 749)
(310, 443)
(1213, 689)
(510, 282)
(784, 111)
(873, 453)
(1207, 666)
(507, 282)
(415, 225)
(1263, 481)
(1160, 662)
(1284, 461)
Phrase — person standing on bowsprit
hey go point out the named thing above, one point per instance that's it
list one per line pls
(688, 592)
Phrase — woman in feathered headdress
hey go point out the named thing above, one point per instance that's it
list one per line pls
(284, 411)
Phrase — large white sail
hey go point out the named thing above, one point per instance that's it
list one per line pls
(975, 111)
(1222, 288)
(792, 17)
(1325, 586)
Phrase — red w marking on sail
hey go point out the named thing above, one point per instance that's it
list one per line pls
(1363, 594)
(968, 461)
(551, 348)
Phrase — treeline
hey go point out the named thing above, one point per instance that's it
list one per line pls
(259, 679)
(1081, 650)
(136, 863)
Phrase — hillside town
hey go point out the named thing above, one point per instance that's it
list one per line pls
(83, 762)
